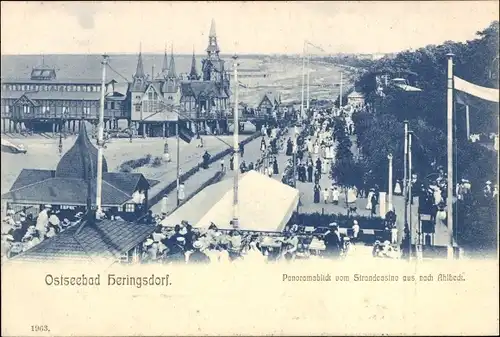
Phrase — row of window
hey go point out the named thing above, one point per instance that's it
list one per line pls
(45, 109)
(47, 87)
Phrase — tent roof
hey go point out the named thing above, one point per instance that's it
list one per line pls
(265, 204)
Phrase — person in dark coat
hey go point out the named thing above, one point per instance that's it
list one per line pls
(206, 159)
(332, 242)
(289, 147)
(231, 163)
(317, 176)
(242, 150)
(318, 164)
(317, 191)
(374, 203)
(243, 167)
(275, 166)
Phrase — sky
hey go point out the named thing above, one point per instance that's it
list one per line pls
(242, 27)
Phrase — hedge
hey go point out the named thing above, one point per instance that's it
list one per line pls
(153, 200)
(343, 221)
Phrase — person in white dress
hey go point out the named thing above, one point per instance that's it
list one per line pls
(42, 221)
(316, 148)
(181, 192)
(355, 230)
(437, 196)
(335, 195)
(164, 205)
(369, 200)
(326, 194)
(397, 188)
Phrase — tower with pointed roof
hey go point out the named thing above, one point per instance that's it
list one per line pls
(208, 94)
(137, 87)
(193, 74)
(213, 66)
(164, 67)
(170, 87)
(139, 78)
(213, 47)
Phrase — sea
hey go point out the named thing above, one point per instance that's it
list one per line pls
(88, 66)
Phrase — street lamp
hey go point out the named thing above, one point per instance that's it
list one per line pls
(389, 157)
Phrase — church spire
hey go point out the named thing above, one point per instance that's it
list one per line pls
(139, 72)
(213, 47)
(171, 68)
(212, 29)
(193, 75)
(164, 67)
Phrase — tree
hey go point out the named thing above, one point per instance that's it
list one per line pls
(345, 170)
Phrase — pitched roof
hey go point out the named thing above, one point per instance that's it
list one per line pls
(139, 71)
(193, 74)
(107, 238)
(198, 88)
(171, 69)
(67, 191)
(41, 186)
(81, 160)
(31, 176)
(126, 182)
(164, 68)
(355, 94)
(272, 96)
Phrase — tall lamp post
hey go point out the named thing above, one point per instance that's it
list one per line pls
(236, 149)
(410, 196)
(449, 115)
(303, 80)
(405, 174)
(389, 157)
(100, 135)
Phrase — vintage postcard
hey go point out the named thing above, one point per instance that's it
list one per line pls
(249, 168)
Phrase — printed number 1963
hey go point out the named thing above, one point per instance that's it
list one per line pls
(40, 328)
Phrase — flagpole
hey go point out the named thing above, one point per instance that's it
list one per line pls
(405, 173)
(449, 198)
(236, 146)
(178, 164)
(100, 136)
(467, 121)
(340, 94)
(303, 80)
(308, 74)
(410, 197)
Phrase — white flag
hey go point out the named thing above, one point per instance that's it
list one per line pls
(488, 94)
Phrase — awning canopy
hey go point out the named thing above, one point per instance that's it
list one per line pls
(265, 204)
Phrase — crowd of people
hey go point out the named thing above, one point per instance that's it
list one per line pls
(28, 231)
(185, 244)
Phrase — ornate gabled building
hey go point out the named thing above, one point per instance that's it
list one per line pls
(72, 185)
(152, 98)
(207, 97)
(46, 103)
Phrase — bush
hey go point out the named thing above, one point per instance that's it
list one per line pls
(125, 168)
(136, 163)
(157, 161)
